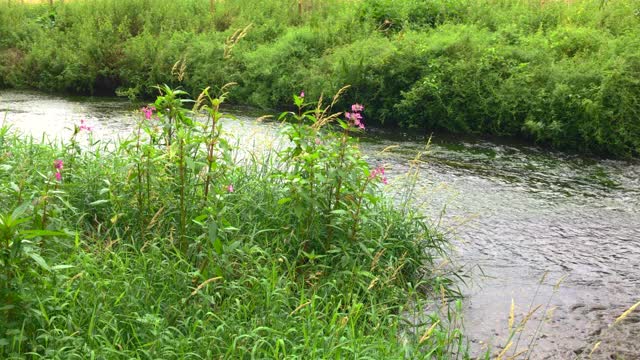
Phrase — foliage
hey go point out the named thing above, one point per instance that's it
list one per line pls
(174, 244)
(554, 72)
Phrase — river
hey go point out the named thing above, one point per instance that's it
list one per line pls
(516, 214)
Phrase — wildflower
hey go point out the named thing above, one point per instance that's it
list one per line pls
(148, 111)
(230, 188)
(302, 93)
(58, 165)
(84, 126)
(355, 115)
(378, 172)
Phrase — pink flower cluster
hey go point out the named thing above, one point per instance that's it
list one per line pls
(58, 165)
(355, 115)
(84, 126)
(148, 111)
(378, 172)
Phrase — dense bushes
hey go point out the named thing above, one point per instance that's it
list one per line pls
(556, 73)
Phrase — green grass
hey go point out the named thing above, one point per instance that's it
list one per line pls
(100, 264)
(563, 74)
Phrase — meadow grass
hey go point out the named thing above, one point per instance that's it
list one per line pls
(164, 246)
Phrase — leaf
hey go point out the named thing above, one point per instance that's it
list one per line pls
(17, 212)
(198, 219)
(39, 260)
(30, 234)
(285, 114)
(98, 202)
(365, 249)
(213, 231)
(190, 163)
(217, 246)
(61, 267)
(234, 245)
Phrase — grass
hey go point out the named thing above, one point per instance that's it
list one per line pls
(142, 249)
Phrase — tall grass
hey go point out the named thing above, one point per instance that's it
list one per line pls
(163, 246)
(554, 72)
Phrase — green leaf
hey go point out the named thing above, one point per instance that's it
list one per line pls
(190, 163)
(365, 249)
(217, 246)
(213, 231)
(61, 267)
(98, 202)
(39, 260)
(17, 212)
(198, 219)
(30, 234)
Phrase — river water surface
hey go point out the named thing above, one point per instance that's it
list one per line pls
(517, 215)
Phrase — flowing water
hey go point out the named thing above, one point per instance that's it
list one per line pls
(518, 215)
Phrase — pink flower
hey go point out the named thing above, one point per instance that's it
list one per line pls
(355, 116)
(148, 111)
(357, 108)
(58, 165)
(302, 94)
(378, 172)
(84, 126)
(230, 188)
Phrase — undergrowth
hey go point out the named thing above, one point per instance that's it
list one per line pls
(170, 245)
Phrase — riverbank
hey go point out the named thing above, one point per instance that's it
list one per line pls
(170, 244)
(562, 74)
(507, 206)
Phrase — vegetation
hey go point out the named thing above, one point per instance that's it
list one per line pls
(175, 244)
(564, 73)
